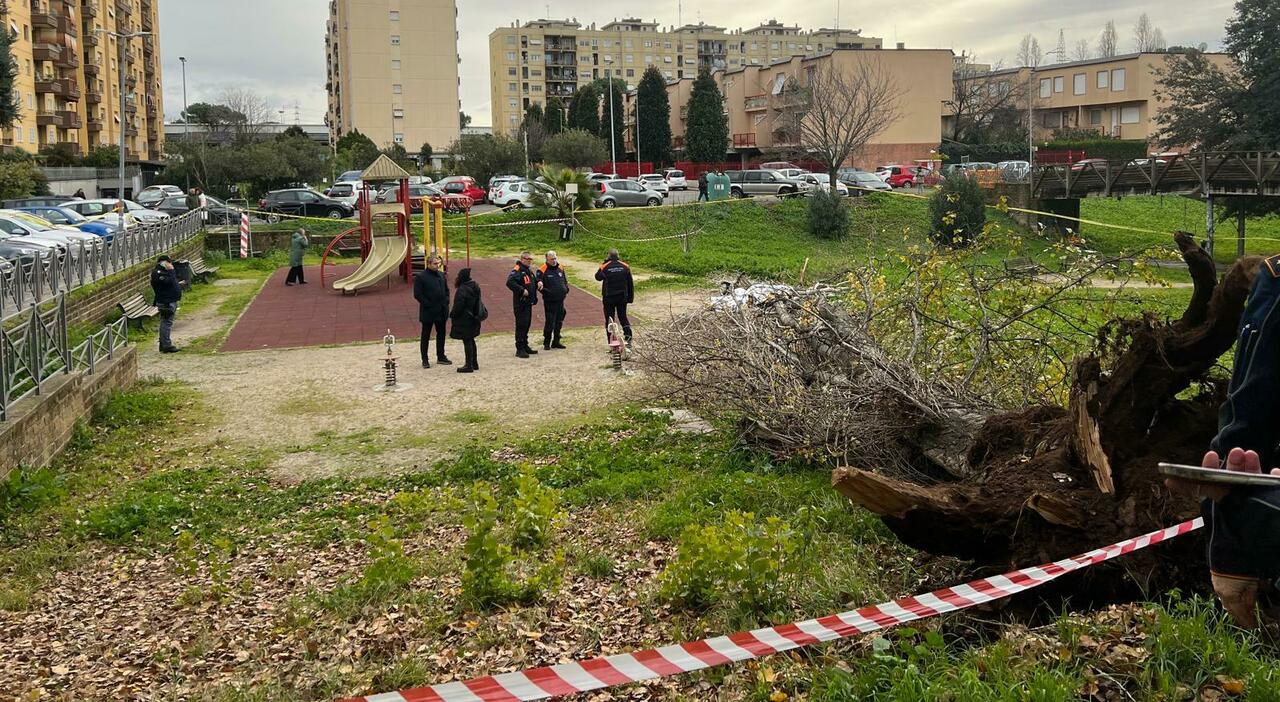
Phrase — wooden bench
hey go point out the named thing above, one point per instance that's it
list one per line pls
(137, 309)
(202, 270)
(1021, 267)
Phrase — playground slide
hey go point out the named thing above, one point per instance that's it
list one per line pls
(386, 254)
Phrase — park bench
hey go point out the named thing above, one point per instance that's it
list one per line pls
(1021, 267)
(202, 270)
(137, 309)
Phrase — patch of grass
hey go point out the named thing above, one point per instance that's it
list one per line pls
(594, 564)
(470, 417)
(1167, 213)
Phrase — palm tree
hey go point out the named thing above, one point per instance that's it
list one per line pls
(554, 197)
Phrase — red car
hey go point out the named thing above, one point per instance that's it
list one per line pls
(1097, 163)
(463, 185)
(899, 176)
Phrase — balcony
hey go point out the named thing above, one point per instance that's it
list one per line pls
(89, 9)
(131, 131)
(747, 140)
(148, 44)
(68, 59)
(91, 39)
(146, 22)
(50, 84)
(124, 7)
(43, 20)
(755, 103)
(95, 124)
(70, 119)
(46, 52)
(93, 97)
(44, 119)
(91, 68)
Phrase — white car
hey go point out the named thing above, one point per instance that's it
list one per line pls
(28, 225)
(654, 181)
(675, 179)
(347, 192)
(102, 206)
(496, 183)
(822, 181)
(793, 173)
(516, 192)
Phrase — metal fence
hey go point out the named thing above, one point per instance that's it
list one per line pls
(36, 350)
(32, 282)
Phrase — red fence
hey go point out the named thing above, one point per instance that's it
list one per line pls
(626, 169)
(1063, 157)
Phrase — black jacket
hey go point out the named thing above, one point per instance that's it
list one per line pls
(616, 283)
(555, 284)
(465, 316)
(523, 278)
(164, 282)
(431, 290)
(193, 202)
(702, 183)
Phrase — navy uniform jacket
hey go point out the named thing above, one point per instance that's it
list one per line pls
(615, 281)
(164, 283)
(522, 278)
(555, 284)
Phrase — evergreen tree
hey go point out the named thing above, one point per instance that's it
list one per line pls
(707, 132)
(10, 98)
(619, 87)
(653, 117)
(533, 113)
(584, 110)
(553, 117)
(425, 153)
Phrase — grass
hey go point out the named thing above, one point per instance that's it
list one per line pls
(1167, 213)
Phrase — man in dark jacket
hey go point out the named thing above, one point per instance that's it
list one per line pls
(617, 290)
(431, 290)
(193, 200)
(164, 283)
(523, 284)
(702, 187)
(554, 286)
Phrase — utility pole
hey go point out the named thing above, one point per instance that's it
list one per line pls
(121, 40)
(186, 119)
(635, 111)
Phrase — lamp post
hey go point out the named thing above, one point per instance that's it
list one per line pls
(121, 40)
(186, 124)
(635, 112)
(613, 151)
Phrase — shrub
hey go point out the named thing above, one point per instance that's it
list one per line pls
(1101, 147)
(742, 560)
(488, 571)
(957, 211)
(575, 149)
(534, 509)
(828, 217)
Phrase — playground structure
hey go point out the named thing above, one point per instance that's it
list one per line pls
(384, 254)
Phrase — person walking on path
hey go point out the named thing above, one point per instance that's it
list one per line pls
(465, 317)
(554, 286)
(522, 283)
(618, 290)
(702, 187)
(193, 200)
(164, 283)
(204, 205)
(297, 249)
(431, 290)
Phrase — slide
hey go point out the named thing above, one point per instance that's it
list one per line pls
(385, 257)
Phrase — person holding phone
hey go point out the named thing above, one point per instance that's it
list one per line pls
(168, 291)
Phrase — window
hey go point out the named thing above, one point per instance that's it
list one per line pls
(1046, 87)
(1078, 82)
(395, 40)
(395, 64)
(511, 71)
(1095, 117)
(648, 44)
(631, 72)
(1128, 115)
(1058, 84)
(395, 15)
(396, 89)
(774, 45)
(1052, 120)
(397, 113)
(511, 56)
(511, 40)
(511, 87)
(399, 138)
(648, 59)
(1117, 80)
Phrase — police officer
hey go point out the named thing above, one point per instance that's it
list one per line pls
(554, 286)
(1244, 522)
(617, 290)
(523, 284)
(164, 283)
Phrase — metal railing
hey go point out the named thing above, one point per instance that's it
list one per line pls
(30, 282)
(36, 350)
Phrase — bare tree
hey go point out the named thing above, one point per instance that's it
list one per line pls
(837, 111)
(1157, 40)
(1029, 53)
(1108, 44)
(986, 106)
(1082, 52)
(252, 106)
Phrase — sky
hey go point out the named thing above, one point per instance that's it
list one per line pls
(276, 47)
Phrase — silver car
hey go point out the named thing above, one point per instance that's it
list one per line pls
(763, 182)
(625, 193)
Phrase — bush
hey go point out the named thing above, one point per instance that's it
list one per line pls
(957, 211)
(488, 578)
(828, 217)
(743, 561)
(575, 149)
(995, 152)
(534, 509)
(1110, 149)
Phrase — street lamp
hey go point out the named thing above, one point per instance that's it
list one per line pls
(121, 39)
(613, 153)
(186, 124)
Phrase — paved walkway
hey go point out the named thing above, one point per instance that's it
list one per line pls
(316, 315)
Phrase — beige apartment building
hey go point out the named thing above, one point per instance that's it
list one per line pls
(1114, 96)
(68, 75)
(756, 101)
(534, 61)
(393, 71)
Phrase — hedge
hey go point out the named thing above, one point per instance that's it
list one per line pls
(1110, 149)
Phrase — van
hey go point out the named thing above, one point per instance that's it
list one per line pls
(762, 181)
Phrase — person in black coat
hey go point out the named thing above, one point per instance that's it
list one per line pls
(554, 286)
(523, 284)
(164, 283)
(431, 290)
(618, 290)
(466, 316)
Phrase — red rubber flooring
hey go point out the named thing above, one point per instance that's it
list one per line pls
(313, 315)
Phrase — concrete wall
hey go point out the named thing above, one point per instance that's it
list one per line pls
(40, 426)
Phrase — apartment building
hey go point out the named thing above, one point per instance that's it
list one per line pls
(1114, 96)
(68, 75)
(757, 99)
(534, 61)
(393, 71)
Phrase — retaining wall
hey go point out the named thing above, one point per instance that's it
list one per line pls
(95, 302)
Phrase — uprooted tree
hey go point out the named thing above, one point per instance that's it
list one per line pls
(959, 438)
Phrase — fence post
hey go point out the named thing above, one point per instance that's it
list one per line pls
(64, 345)
(37, 280)
(33, 348)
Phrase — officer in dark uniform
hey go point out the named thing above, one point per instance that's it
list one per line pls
(554, 286)
(523, 284)
(168, 291)
(617, 290)
(1244, 522)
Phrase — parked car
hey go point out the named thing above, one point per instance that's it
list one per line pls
(777, 165)
(518, 192)
(152, 195)
(625, 193)
(32, 201)
(107, 205)
(302, 202)
(654, 181)
(496, 182)
(898, 176)
(417, 194)
(1098, 163)
(25, 224)
(347, 192)
(822, 181)
(862, 181)
(793, 172)
(462, 185)
(349, 177)
(601, 177)
(20, 249)
(219, 212)
(67, 217)
(675, 179)
(762, 182)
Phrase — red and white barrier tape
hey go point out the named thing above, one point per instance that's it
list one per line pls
(624, 668)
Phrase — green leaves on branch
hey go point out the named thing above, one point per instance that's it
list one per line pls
(957, 212)
(828, 215)
(492, 575)
(742, 561)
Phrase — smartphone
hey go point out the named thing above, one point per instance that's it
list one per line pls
(1218, 475)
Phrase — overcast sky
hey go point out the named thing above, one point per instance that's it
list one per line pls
(276, 47)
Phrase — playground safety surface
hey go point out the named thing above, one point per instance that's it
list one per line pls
(318, 315)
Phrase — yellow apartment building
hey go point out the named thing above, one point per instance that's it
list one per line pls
(756, 98)
(393, 71)
(536, 60)
(68, 75)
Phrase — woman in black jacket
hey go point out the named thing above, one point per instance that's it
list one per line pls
(466, 315)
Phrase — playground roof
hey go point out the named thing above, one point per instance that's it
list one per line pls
(384, 169)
